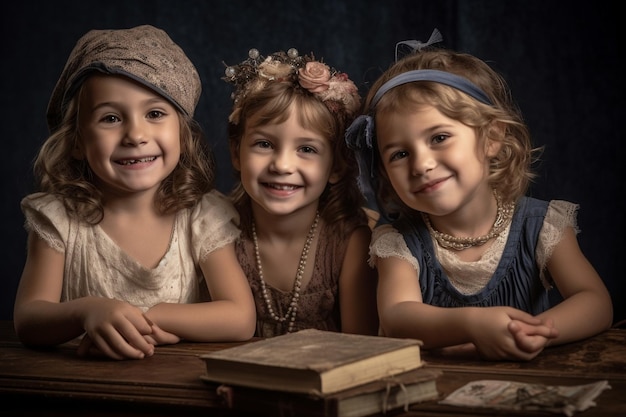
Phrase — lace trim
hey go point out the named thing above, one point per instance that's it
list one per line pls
(387, 242)
(561, 215)
(471, 277)
(47, 234)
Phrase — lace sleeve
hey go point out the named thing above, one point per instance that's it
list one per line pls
(387, 242)
(213, 224)
(46, 216)
(560, 215)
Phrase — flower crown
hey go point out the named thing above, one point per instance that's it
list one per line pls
(331, 87)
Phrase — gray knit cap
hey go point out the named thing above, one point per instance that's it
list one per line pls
(143, 53)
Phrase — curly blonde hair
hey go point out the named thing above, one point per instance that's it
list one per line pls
(341, 203)
(510, 170)
(58, 172)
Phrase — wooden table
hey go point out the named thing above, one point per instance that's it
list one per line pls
(55, 382)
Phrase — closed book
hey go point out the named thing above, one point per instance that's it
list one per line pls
(313, 361)
(380, 396)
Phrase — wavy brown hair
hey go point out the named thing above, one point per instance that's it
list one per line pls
(510, 170)
(58, 172)
(341, 203)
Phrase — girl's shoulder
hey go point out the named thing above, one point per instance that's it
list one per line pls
(214, 206)
(213, 223)
(346, 227)
(47, 216)
(559, 212)
(40, 201)
(44, 207)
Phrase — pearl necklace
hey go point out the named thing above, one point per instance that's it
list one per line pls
(293, 305)
(503, 218)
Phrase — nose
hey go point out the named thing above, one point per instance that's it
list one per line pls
(135, 133)
(422, 162)
(283, 162)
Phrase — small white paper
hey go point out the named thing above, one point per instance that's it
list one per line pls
(510, 395)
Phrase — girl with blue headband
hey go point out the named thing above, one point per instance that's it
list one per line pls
(466, 261)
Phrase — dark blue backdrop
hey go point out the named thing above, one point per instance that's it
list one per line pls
(560, 58)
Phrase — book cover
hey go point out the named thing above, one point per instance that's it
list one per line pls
(313, 361)
(380, 396)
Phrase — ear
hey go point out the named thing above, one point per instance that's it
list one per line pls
(334, 178)
(234, 159)
(494, 139)
(492, 147)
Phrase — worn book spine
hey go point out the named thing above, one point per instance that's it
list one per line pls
(375, 397)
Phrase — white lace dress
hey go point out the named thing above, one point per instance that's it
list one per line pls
(96, 266)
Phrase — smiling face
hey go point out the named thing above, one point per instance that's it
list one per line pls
(434, 163)
(284, 167)
(129, 135)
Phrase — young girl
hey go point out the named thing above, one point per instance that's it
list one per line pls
(127, 235)
(468, 262)
(305, 236)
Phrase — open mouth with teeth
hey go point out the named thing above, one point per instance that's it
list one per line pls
(136, 161)
(282, 187)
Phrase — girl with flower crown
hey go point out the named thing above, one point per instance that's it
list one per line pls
(468, 263)
(305, 235)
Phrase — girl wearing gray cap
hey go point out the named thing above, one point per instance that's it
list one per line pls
(129, 242)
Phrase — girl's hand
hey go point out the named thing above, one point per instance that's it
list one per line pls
(161, 337)
(505, 333)
(532, 338)
(157, 337)
(116, 329)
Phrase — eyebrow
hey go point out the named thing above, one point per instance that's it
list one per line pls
(261, 131)
(426, 131)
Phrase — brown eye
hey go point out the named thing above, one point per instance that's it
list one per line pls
(109, 118)
(307, 149)
(398, 155)
(155, 114)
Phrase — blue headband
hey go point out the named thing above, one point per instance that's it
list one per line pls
(441, 77)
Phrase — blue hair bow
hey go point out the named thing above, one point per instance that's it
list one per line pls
(360, 138)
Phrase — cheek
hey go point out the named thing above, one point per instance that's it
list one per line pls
(399, 171)
(250, 166)
(177, 148)
(398, 181)
(95, 152)
(323, 173)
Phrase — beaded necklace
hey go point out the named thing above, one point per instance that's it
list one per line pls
(293, 305)
(503, 218)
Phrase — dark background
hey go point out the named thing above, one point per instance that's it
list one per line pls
(561, 60)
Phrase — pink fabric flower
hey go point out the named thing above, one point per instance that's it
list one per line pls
(314, 77)
(342, 89)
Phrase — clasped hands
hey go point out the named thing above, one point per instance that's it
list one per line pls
(505, 333)
(119, 330)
